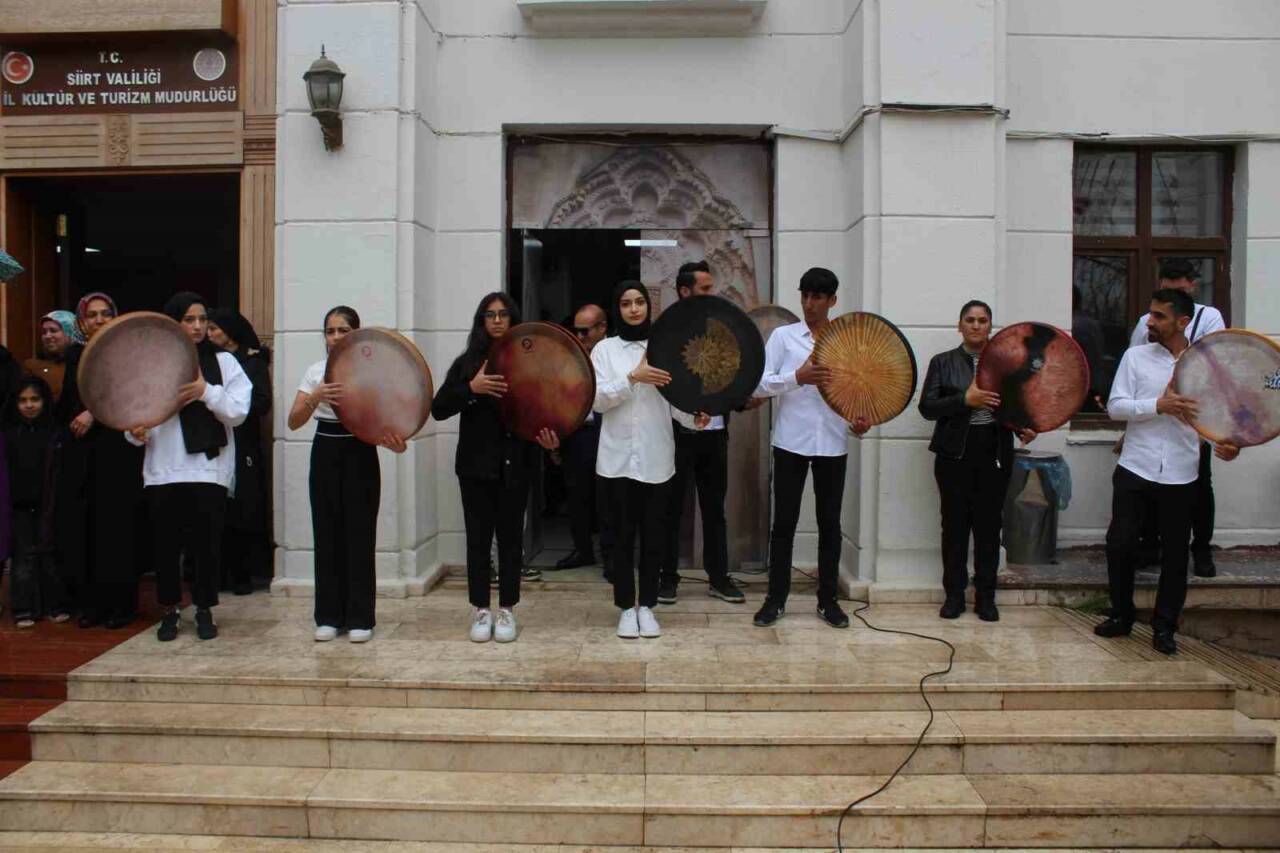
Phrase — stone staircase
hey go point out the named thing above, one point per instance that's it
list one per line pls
(571, 736)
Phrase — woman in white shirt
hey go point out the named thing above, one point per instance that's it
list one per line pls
(188, 469)
(345, 486)
(636, 458)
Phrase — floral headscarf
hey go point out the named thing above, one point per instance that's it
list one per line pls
(83, 305)
(67, 320)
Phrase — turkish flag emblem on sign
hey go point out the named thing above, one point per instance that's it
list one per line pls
(17, 67)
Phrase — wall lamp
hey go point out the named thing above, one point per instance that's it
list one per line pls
(324, 91)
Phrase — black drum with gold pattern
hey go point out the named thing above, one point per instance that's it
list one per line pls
(712, 350)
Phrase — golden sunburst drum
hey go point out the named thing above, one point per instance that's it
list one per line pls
(712, 350)
(872, 368)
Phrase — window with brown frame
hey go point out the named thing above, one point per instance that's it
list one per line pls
(1135, 208)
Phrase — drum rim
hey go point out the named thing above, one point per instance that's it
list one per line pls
(911, 357)
(1079, 351)
(559, 330)
(696, 300)
(101, 335)
(1245, 333)
(351, 338)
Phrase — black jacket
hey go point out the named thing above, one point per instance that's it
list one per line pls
(249, 509)
(942, 400)
(486, 450)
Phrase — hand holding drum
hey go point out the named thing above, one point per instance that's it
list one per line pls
(1039, 374)
(1232, 378)
(138, 371)
(864, 369)
(543, 380)
(380, 385)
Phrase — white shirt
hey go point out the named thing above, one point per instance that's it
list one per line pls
(686, 420)
(803, 423)
(312, 379)
(1158, 448)
(636, 438)
(167, 460)
(1204, 319)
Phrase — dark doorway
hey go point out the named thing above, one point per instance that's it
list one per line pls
(570, 268)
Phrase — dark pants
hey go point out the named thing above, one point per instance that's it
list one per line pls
(972, 490)
(186, 518)
(638, 508)
(246, 554)
(1131, 498)
(1202, 516)
(704, 458)
(346, 485)
(579, 453)
(36, 587)
(488, 507)
(789, 473)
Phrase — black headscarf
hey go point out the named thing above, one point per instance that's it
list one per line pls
(201, 431)
(625, 331)
(238, 329)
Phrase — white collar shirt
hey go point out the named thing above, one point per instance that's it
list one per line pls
(803, 423)
(636, 439)
(1158, 448)
(1204, 320)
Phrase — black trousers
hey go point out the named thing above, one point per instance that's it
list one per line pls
(489, 507)
(1202, 516)
(972, 491)
(637, 508)
(36, 587)
(346, 486)
(702, 457)
(1132, 497)
(789, 473)
(579, 453)
(187, 518)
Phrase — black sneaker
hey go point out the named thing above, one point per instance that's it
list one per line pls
(576, 560)
(987, 610)
(769, 614)
(1204, 567)
(1113, 627)
(531, 573)
(833, 615)
(951, 608)
(668, 590)
(205, 627)
(725, 590)
(168, 629)
(1164, 643)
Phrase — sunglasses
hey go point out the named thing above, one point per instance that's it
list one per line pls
(583, 331)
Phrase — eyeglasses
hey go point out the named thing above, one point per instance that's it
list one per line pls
(501, 314)
(583, 331)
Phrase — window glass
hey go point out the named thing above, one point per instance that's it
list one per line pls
(1099, 319)
(1186, 194)
(1204, 284)
(1104, 193)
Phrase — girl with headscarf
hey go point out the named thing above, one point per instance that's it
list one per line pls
(98, 509)
(345, 486)
(636, 458)
(58, 331)
(35, 582)
(246, 550)
(188, 469)
(493, 468)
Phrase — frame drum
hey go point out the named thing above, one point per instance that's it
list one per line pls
(1234, 376)
(132, 370)
(769, 317)
(873, 371)
(550, 380)
(713, 351)
(386, 384)
(1040, 373)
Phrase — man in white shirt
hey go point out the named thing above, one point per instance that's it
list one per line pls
(703, 456)
(807, 433)
(1181, 274)
(1157, 471)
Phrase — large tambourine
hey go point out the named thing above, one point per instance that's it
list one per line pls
(770, 317)
(1234, 377)
(712, 350)
(1040, 373)
(386, 384)
(132, 370)
(872, 368)
(550, 381)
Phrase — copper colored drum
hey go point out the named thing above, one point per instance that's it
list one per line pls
(873, 371)
(132, 370)
(550, 380)
(386, 384)
(1234, 376)
(769, 317)
(1040, 373)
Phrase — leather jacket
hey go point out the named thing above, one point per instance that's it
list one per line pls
(942, 400)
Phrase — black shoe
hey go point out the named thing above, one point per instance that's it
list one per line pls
(833, 615)
(576, 560)
(116, 621)
(1164, 643)
(205, 627)
(1204, 567)
(726, 590)
(168, 627)
(531, 573)
(1113, 627)
(951, 608)
(769, 614)
(987, 610)
(89, 620)
(668, 590)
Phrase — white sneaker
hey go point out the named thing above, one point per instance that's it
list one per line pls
(648, 623)
(360, 635)
(482, 626)
(505, 630)
(628, 628)
(325, 633)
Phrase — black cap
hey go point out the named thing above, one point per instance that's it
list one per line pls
(819, 280)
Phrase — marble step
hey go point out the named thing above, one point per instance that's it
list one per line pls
(795, 811)
(655, 742)
(370, 679)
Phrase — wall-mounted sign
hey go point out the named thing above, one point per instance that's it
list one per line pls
(183, 72)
